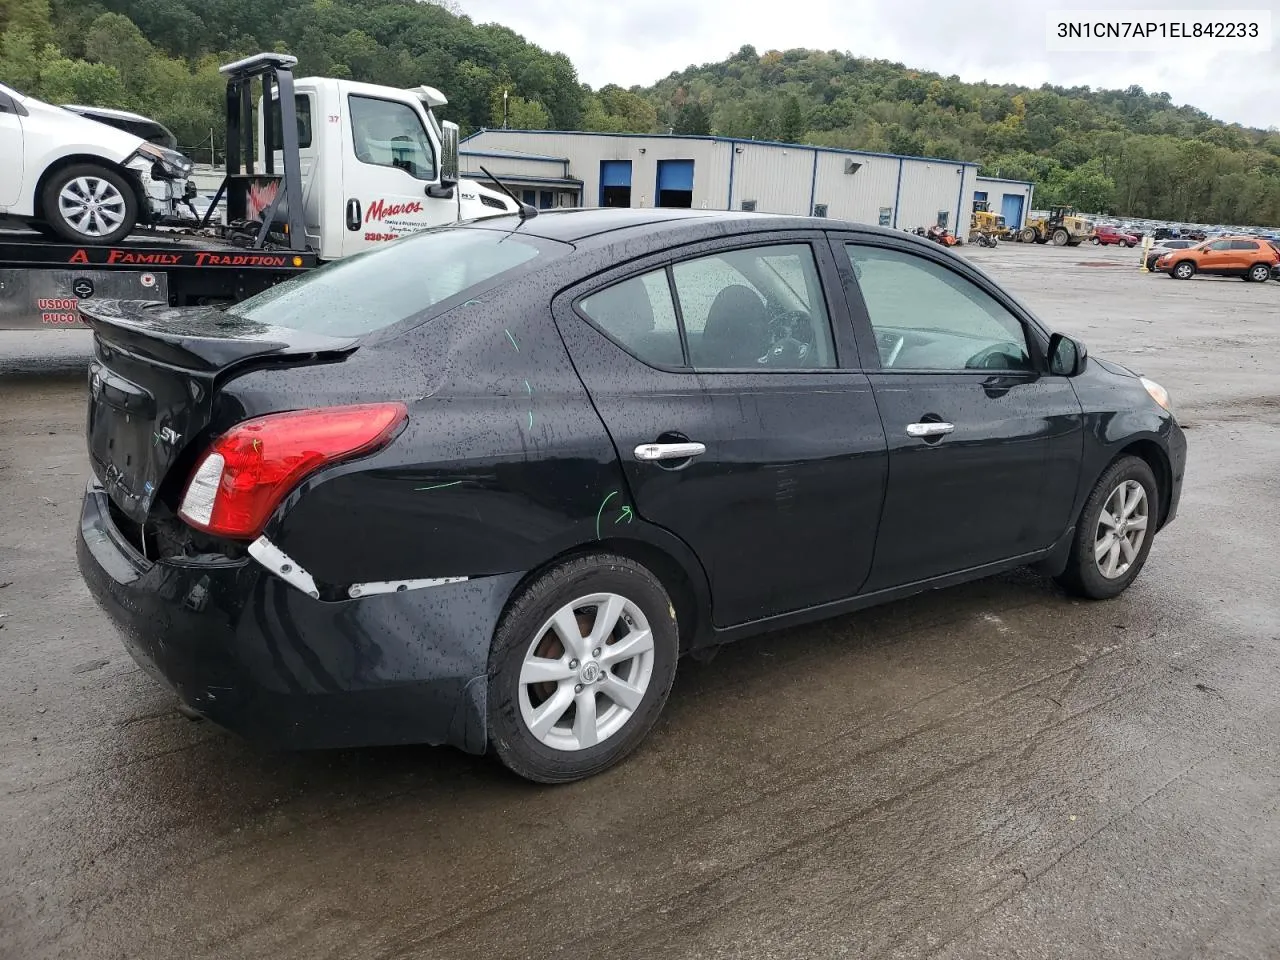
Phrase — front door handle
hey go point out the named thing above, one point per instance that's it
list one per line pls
(669, 451)
(931, 429)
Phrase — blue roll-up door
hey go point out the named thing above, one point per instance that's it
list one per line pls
(675, 183)
(615, 173)
(675, 175)
(1011, 210)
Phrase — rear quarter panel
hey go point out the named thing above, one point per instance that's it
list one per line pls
(503, 465)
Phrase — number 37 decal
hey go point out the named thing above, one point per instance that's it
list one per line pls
(334, 118)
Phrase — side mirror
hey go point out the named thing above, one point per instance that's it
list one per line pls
(441, 191)
(1067, 357)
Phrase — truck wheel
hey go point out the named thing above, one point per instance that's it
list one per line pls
(86, 203)
(1027, 236)
(1060, 237)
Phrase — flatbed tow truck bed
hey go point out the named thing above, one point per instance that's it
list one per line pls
(43, 281)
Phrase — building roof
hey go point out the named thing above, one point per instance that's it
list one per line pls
(510, 155)
(1023, 183)
(715, 139)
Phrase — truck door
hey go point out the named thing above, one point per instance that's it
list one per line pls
(11, 156)
(389, 160)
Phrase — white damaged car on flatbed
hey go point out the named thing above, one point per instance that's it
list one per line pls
(81, 181)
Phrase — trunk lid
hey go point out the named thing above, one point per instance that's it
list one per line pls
(153, 379)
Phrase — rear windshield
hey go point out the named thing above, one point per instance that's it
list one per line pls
(386, 285)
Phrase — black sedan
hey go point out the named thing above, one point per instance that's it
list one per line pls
(486, 485)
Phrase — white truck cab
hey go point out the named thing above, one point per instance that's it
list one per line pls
(376, 163)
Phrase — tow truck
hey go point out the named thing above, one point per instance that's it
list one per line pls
(329, 168)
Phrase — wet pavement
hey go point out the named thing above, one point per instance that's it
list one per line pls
(995, 770)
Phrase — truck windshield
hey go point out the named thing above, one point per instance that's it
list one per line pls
(384, 286)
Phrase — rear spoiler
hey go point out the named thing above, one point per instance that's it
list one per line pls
(201, 339)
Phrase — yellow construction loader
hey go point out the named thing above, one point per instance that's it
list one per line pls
(984, 221)
(1063, 227)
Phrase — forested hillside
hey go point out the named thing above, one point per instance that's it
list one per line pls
(1128, 152)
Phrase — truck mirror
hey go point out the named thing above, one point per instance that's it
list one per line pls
(448, 153)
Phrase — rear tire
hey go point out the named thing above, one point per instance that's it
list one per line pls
(1106, 576)
(569, 726)
(1259, 273)
(89, 203)
(1028, 235)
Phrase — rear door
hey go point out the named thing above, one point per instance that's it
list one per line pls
(11, 150)
(984, 445)
(388, 160)
(740, 416)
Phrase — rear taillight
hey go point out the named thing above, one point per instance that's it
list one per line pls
(253, 466)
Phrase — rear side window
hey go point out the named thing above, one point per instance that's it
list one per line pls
(391, 283)
(302, 106)
(639, 315)
(1243, 245)
(758, 309)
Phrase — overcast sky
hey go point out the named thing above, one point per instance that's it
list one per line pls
(1003, 41)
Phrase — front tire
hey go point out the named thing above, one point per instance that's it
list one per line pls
(1183, 271)
(88, 203)
(1115, 531)
(580, 667)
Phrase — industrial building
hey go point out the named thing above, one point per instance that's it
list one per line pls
(573, 168)
(1009, 198)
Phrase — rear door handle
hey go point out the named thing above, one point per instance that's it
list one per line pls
(931, 429)
(669, 451)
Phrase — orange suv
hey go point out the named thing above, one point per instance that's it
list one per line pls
(1247, 257)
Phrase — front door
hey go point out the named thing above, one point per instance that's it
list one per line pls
(720, 380)
(11, 151)
(984, 446)
(1218, 255)
(387, 165)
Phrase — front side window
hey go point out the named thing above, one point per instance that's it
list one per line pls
(391, 134)
(756, 308)
(925, 317)
(1219, 245)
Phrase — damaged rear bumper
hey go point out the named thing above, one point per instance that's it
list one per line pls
(260, 657)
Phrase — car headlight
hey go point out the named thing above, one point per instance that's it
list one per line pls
(170, 161)
(1158, 393)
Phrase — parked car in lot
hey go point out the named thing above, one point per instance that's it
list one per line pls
(1244, 257)
(1165, 246)
(490, 504)
(1107, 236)
(81, 180)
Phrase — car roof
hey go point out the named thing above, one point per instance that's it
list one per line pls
(604, 224)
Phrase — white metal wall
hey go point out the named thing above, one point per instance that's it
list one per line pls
(861, 195)
(522, 167)
(780, 178)
(585, 151)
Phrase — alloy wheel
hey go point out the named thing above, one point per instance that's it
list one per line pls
(586, 672)
(91, 206)
(1260, 273)
(1122, 528)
